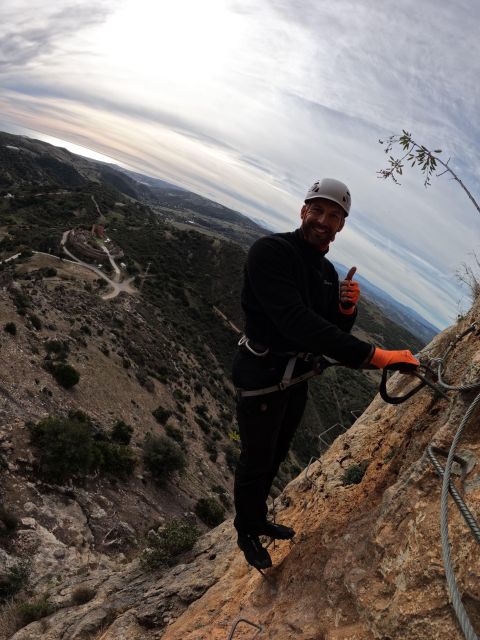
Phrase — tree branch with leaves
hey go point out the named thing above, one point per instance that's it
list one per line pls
(417, 155)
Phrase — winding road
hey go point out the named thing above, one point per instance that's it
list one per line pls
(117, 284)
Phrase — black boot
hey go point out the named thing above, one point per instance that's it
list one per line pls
(276, 531)
(255, 554)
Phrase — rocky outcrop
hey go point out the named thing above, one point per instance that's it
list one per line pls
(366, 562)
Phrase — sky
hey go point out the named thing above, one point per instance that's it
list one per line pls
(248, 102)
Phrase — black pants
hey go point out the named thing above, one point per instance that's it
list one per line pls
(267, 424)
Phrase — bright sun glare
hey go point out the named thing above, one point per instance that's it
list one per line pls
(171, 41)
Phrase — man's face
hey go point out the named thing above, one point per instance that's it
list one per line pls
(321, 220)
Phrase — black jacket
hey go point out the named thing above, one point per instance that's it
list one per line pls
(290, 299)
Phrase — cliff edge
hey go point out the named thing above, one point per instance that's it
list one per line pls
(366, 562)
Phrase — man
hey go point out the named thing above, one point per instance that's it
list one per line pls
(294, 309)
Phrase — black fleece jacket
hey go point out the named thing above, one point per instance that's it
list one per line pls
(290, 299)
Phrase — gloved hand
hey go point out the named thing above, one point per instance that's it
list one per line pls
(349, 293)
(382, 358)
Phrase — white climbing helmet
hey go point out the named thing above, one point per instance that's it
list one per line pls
(331, 190)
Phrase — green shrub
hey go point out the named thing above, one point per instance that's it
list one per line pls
(354, 474)
(30, 611)
(162, 457)
(210, 511)
(175, 538)
(56, 347)
(161, 415)
(21, 301)
(174, 433)
(66, 448)
(13, 580)
(116, 459)
(81, 595)
(121, 432)
(36, 322)
(49, 272)
(10, 328)
(65, 375)
(73, 446)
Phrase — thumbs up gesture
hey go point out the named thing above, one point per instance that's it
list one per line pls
(349, 293)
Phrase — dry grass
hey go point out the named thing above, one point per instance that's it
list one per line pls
(9, 618)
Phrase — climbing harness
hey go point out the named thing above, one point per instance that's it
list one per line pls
(424, 373)
(319, 364)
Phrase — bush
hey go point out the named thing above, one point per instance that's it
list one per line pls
(10, 328)
(354, 474)
(66, 448)
(13, 580)
(232, 454)
(72, 446)
(210, 511)
(36, 322)
(203, 424)
(21, 301)
(8, 521)
(179, 395)
(30, 611)
(56, 347)
(161, 415)
(162, 457)
(174, 433)
(116, 459)
(81, 595)
(65, 375)
(175, 538)
(121, 432)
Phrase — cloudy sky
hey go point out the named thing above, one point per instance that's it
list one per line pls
(250, 101)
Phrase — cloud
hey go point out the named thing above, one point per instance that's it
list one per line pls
(248, 103)
(29, 30)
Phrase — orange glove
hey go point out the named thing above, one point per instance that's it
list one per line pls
(382, 358)
(349, 293)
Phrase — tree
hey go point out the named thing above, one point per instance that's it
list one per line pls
(428, 161)
(417, 154)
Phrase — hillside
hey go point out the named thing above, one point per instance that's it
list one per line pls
(92, 473)
(366, 562)
(210, 276)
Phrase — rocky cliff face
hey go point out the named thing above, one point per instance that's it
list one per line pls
(366, 562)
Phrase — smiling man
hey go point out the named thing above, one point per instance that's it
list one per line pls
(295, 311)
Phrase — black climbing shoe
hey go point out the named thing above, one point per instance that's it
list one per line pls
(276, 531)
(255, 554)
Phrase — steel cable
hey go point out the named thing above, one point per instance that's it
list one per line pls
(455, 596)
(464, 510)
